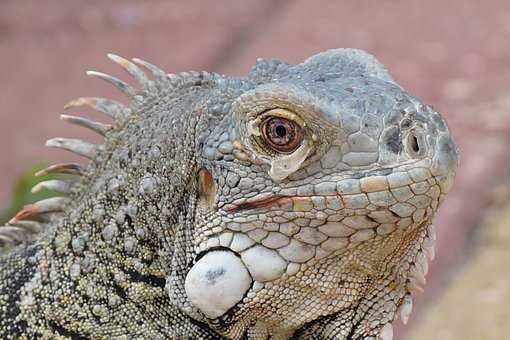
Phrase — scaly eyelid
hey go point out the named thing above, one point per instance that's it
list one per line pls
(281, 113)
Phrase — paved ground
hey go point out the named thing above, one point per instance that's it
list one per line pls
(453, 54)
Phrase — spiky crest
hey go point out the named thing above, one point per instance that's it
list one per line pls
(26, 225)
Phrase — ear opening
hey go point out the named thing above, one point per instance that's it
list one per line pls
(206, 189)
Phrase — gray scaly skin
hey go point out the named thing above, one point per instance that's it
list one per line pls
(295, 203)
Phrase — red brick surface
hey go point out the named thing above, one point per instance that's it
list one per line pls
(453, 54)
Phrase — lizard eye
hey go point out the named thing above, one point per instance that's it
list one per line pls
(282, 135)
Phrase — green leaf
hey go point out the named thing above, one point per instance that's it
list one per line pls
(22, 194)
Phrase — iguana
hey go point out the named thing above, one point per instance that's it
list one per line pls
(295, 202)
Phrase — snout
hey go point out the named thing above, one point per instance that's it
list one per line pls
(445, 161)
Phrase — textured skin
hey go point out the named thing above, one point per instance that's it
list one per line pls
(335, 236)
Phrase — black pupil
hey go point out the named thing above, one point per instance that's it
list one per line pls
(281, 131)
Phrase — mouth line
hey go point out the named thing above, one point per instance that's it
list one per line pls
(268, 202)
(261, 203)
(283, 201)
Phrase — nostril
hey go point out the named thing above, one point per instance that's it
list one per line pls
(414, 144)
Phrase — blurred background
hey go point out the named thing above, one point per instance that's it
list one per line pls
(452, 54)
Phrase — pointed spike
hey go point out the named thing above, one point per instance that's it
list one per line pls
(421, 260)
(429, 246)
(6, 241)
(53, 204)
(30, 226)
(11, 229)
(13, 235)
(417, 273)
(132, 69)
(406, 309)
(173, 77)
(413, 286)
(158, 73)
(122, 86)
(183, 76)
(61, 168)
(100, 128)
(22, 232)
(53, 184)
(196, 74)
(27, 211)
(14, 231)
(386, 332)
(77, 146)
(431, 253)
(432, 232)
(109, 107)
(48, 205)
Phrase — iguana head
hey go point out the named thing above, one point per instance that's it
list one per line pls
(317, 192)
(295, 201)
